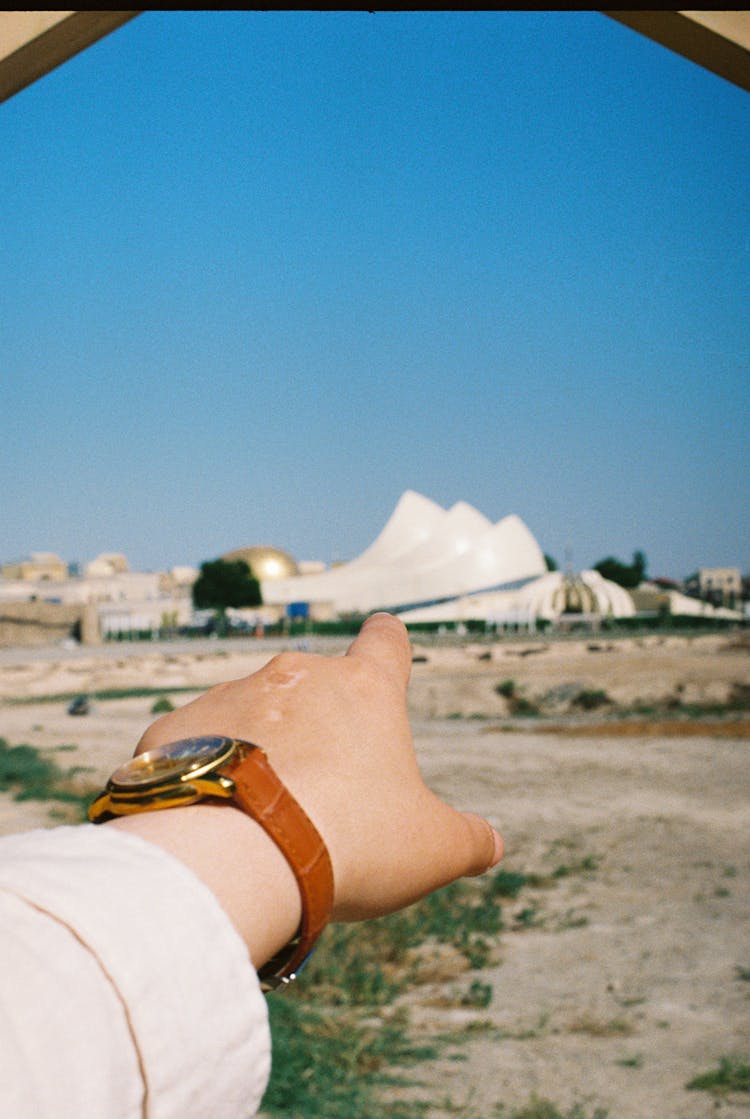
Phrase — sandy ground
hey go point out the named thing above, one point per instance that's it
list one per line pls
(616, 982)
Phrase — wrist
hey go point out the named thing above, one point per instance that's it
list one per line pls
(216, 770)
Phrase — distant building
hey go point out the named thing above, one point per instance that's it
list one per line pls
(555, 596)
(564, 599)
(38, 567)
(183, 576)
(721, 586)
(108, 563)
(110, 598)
(310, 567)
(265, 562)
(424, 556)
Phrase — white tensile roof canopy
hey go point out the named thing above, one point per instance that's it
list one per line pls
(547, 597)
(424, 554)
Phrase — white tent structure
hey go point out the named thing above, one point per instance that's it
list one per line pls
(685, 606)
(424, 554)
(587, 593)
(549, 597)
(558, 598)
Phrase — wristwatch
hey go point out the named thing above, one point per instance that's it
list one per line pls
(209, 767)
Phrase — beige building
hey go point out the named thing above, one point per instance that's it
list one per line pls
(40, 595)
(721, 586)
(108, 563)
(40, 566)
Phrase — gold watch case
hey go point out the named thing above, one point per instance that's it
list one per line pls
(170, 776)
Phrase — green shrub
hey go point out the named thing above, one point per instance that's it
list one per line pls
(544, 1109)
(732, 1075)
(479, 995)
(162, 705)
(507, 883)
(586, 864)
(525, 707)
(329, 1066)
(517, 704)
(29, 775)
(367, 964)
(590, 700)
(25, 773)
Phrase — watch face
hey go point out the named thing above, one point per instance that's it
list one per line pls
(190, 757)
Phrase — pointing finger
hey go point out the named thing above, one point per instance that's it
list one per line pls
(383, 640)
(487, 844)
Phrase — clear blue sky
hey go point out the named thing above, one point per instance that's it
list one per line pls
(262, 272)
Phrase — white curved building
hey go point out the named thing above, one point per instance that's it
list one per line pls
(585, 593)
(424, 554)
(550, 597)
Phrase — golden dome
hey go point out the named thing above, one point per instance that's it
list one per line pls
(266, 563)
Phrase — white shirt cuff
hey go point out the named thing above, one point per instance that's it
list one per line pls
(189, 992)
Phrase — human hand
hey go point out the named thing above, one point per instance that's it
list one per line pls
(336, 731)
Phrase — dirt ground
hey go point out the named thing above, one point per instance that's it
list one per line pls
(624, 969)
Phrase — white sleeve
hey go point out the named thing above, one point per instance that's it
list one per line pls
(125, 990)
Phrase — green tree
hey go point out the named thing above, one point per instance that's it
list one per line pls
(550, 562)
(628, 575)
(639, 566)
(224, 583)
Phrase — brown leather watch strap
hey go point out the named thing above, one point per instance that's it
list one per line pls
(260, 793)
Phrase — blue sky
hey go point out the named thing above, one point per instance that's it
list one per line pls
(264, 271)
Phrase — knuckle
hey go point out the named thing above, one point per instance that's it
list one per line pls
(285, 664)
